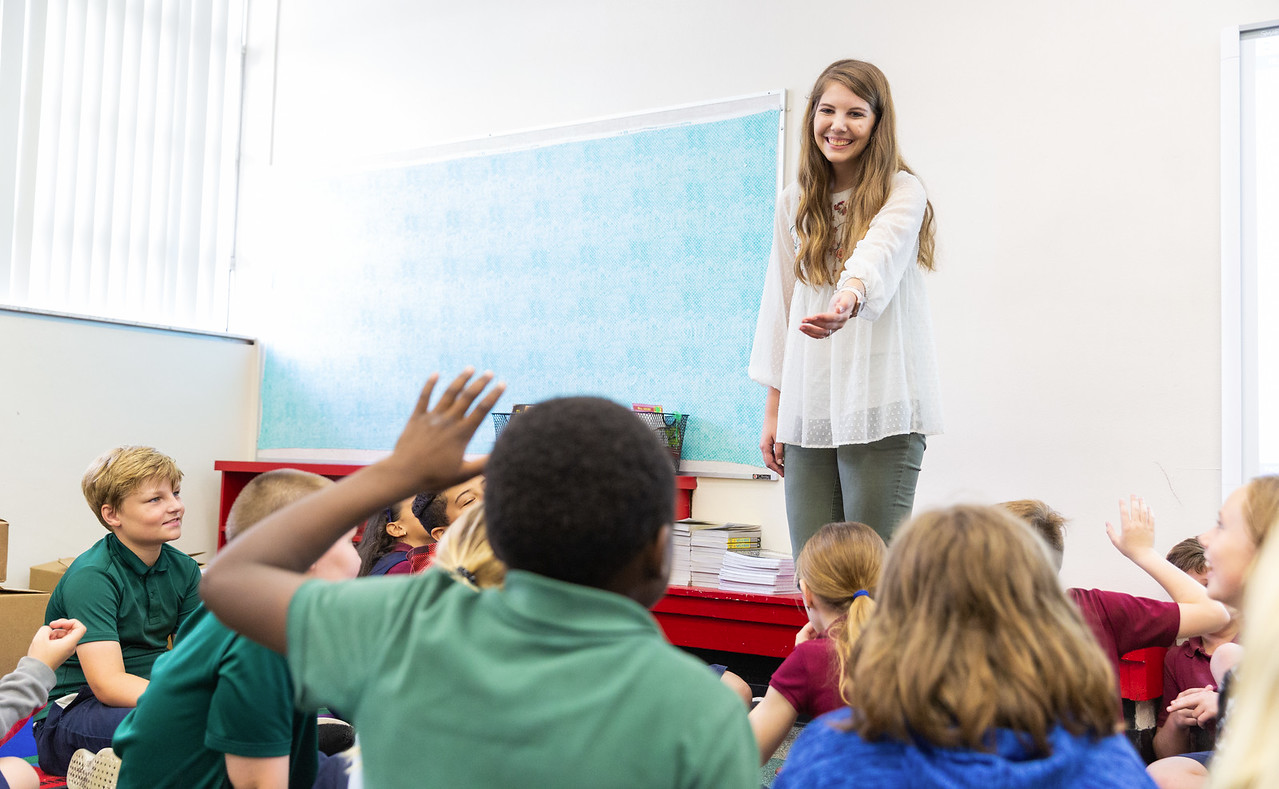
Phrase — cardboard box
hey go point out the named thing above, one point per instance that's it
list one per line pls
(21, 614)
(44, 577)
(4, 548)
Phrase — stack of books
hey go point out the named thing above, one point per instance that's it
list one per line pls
(759, 571)
(681, 554)
(709, 542)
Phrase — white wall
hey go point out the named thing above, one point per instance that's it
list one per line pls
(73, 389)
(1071, 152)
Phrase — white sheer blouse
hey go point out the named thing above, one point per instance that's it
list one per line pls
(877, 376)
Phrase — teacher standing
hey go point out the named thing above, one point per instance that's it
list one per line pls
(844, 340)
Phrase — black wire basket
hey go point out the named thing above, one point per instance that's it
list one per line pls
(668, 427)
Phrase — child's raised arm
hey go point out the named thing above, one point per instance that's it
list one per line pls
(251, 582)
(1135, 539)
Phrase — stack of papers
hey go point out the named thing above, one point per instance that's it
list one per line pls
(708, 544)
(681, 555)
(759, 571)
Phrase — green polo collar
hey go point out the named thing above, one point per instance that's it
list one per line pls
(130, 559)
(559, 605)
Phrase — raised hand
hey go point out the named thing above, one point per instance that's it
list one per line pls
(1136, 532)
(430, 450)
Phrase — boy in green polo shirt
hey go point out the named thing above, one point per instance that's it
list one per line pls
(559, 678)
(219, 710)
(130, 589)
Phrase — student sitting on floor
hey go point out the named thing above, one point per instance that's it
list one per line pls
(388, 538)
(975, 671)
(1247, 757)
(131, 590)
(464, 550)
(219, 710)
(561, 677)
(1244, 523)
(464, 553)
(26, 690)
(838, 569)
(1123, 622)
(437, 511)
(1188, 672)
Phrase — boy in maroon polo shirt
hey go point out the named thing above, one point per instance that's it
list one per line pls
(1123, 622)
(1188, 672)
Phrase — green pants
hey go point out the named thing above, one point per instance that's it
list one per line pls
(870, 483)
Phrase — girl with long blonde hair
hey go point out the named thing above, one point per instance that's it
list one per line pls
(837, 573)
(844, 338)
(975, 670)
(1247, 758)
(1244, 524)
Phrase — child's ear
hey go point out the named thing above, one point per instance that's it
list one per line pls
(109, 515)
(394, 529)
(438, 532)
(658, 564)
(804, 593)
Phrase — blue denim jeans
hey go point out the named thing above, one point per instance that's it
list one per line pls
(870, 483)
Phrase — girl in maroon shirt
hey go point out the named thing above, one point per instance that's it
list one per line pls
(837, 570)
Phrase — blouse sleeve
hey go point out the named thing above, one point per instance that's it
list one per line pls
(881, 257)
(769, 348)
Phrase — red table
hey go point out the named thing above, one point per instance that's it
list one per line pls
(753, 624)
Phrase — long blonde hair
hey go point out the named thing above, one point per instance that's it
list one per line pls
(464, 551)
(879, 163)
(973, 633)
(1246, 756)
(836, 563)
(1261, 507)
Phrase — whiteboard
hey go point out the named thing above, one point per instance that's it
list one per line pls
(623, 258)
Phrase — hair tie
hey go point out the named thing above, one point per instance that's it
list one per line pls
(468, 575)
(860, 593)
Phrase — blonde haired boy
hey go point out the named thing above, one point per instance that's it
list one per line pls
(131, 590)
(219, 711)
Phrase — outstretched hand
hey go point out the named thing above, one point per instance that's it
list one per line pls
(1136, 532)
(837, 314)
(55, 642)
(430, 450)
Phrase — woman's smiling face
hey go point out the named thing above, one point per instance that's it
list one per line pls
(842, 125)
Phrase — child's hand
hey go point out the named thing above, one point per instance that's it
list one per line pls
(55, 642)
(1194, 707)
(805, 633)
(430, 451)
(1136, 532)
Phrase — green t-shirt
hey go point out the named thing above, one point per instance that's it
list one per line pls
(119, 598)
(216, 693)
(542, 683)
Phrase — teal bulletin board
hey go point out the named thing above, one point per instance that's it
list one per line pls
(628, 266)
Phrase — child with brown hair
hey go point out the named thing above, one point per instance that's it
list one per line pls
(389, 536)
(976, 670)
(838, 570)
(1123, 622)
(1188, 672)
